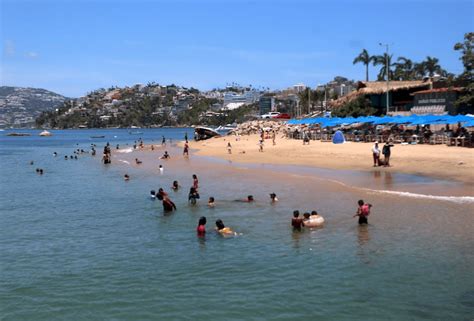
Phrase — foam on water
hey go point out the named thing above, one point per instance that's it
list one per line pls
(454, 199)
(125, 150)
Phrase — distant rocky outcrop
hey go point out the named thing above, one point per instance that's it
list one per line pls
(19, 107)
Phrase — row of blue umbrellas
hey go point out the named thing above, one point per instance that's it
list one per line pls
(466, 121)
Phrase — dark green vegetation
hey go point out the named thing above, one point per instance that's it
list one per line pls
(402, 69)
(466, 101)
(355, 108)
(143, 106)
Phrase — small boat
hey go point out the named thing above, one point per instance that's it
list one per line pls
(45, 133)
(99, 136)
(18, 134)
(203, 133)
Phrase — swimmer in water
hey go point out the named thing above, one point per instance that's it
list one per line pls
(363, 211)
(65, 157)
(162, 193)
(126, 177)
(193, 195)
(153, 194)
(273, 197)
(211, 202)
(161, 169)
(222, 229)
(249, 199)
(175, 186)
(137, 161)
(55, 154)
(168, 205)
(31, 162)
(306, 217)
(296, 221)
(201, 228)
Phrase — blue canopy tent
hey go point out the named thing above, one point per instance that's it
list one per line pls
(338, 138)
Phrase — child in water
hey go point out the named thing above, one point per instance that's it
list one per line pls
(363, 212)
(153, 194)
(175, 186)
(211, 202)
(273, 197)
(126, 177)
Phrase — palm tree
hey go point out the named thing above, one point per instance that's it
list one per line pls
(382, 60)
(366, 59)
(403, 69)
(432, 66)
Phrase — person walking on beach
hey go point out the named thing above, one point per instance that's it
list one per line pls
(260, 144)
(273, 137)
(363, 211)
(229, 148)
(376, 154)
(386, 154)
(186, 149)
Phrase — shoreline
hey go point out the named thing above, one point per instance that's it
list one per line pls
(435, 161)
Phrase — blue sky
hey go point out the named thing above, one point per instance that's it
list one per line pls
(73, 47)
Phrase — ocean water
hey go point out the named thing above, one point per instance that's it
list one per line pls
(80, 243)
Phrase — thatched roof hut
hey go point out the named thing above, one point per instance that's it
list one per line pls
(380, 87)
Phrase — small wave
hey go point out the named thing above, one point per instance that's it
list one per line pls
(124, 161)
(454, 199)
(125, 150)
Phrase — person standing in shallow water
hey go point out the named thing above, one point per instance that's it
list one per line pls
(376, 154)
(296, 221)
(363, 211)
(201, 228)
(386, 154)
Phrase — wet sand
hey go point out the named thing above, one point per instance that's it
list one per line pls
(441, 161)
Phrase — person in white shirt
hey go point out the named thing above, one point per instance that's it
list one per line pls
(376, 154)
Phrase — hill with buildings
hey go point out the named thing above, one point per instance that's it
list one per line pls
(20, 106)
(150, 105)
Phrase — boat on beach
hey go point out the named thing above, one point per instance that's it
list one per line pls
(18, 134)
(203, 133)
(45, 133)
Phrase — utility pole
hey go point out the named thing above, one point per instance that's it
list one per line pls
(309, 100)
(387, 71)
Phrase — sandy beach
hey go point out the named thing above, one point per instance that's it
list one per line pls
(440, 161)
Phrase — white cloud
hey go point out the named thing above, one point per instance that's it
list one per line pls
(31, 55)
(9, 48)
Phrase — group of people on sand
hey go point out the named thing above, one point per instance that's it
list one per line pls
(386, 151)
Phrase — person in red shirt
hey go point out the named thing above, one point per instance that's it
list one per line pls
(363, 212)
(201, 228)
